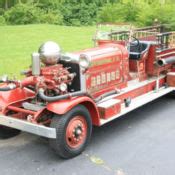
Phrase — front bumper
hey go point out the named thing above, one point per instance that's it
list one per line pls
(28, 127)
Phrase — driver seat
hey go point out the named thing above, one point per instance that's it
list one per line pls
(137, 52)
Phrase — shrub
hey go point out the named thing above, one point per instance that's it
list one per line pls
(2, 11)
(79, 13)
(110, 13)
(49, 4)
(2, 21)
(119, 12)
(164, 14)
(30, 14)
(23, 14)
(51, 17)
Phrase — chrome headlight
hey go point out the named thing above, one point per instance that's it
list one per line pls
(84, 61)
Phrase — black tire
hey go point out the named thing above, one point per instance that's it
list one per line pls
(61, 123)
(6, 132)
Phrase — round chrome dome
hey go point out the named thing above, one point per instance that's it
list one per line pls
(49, 53)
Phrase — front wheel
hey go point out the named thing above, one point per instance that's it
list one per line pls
(73, 132)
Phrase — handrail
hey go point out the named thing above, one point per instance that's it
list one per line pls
(166, 54)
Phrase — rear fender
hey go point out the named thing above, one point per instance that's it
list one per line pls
(63, 106)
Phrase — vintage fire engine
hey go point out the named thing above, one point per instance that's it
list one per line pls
(64, 94)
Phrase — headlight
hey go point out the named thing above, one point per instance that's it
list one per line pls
(84, 61)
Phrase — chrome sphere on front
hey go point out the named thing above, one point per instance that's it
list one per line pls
(49, 53)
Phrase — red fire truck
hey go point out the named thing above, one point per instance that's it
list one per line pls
(64, 94)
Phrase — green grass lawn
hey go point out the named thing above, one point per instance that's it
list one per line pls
(18, 42)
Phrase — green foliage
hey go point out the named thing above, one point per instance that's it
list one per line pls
(2, 21)
(2, 11)
(30, 14)
(48, 4)
(51, 17)
(87, 12)
(140, 13)
(23, 14)
(163, 14)
(73, 12)
(108, 14)
(79, 13)
(118, 12)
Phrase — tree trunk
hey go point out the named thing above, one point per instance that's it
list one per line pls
(6, 4)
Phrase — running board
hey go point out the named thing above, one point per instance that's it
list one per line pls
(139, 101)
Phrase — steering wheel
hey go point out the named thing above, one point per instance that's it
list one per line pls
(135, 42)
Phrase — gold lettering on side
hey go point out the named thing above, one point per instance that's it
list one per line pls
(112, 75)
(93, 81)
(117, 74)
(108, 77)
(104, 61)
(103, 78)
(98, 80)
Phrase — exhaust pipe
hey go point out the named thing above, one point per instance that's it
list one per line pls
(169, 60)
(36, 64)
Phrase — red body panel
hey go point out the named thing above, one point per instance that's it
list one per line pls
(14, 96)
(109, 111)
(141, 90)
(61, 107)
(103, 42)
(109, 68)
(171, 79)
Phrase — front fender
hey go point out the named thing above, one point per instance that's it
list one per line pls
(63, 106)
(15, 95)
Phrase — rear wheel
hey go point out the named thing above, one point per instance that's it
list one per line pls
(73, 132)
(6, 132)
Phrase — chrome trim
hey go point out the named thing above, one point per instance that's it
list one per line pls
(87, 58)
(82, 79)
(28, 127)
(70, 57)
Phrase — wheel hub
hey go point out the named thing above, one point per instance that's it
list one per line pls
(76, 132)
